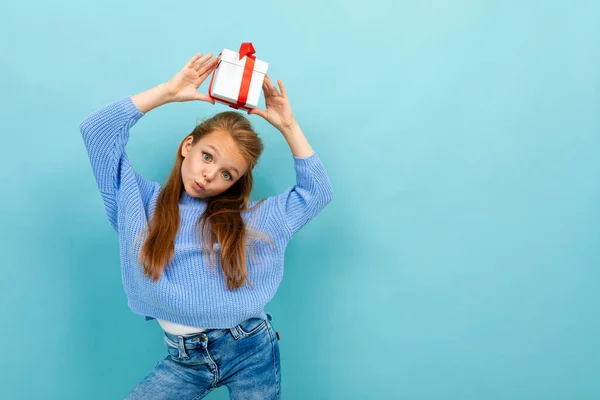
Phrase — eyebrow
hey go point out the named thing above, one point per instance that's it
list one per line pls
(216, 151)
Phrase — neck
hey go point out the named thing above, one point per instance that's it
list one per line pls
(185, 198)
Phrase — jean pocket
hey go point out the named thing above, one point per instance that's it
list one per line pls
(252, 326)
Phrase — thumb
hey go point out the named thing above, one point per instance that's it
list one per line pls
(204, 97)
(259, 112)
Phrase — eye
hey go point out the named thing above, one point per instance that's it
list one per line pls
(228, 176)
(206, 154)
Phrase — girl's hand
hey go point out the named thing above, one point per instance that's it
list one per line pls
(184, 85)
(278, 112)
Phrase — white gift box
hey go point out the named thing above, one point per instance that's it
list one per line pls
(228, 77)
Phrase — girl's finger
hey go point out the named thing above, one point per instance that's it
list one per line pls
(272, 87)
(199, 63)
(204, 97)
(193, 59)
(265, 88)
(258, 111)
(208, 66)
(205, 75)
(281, 88)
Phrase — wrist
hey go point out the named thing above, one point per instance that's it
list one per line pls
(290, 129)
(166, 92)
(152, 98)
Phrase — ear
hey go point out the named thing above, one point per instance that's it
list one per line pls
(187, 145)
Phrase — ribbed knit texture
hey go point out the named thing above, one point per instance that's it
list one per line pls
(190, 292)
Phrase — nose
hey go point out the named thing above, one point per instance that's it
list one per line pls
(208, 175)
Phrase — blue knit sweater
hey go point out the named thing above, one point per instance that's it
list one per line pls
(190, 292)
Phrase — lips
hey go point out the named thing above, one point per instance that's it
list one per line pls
(199, 186)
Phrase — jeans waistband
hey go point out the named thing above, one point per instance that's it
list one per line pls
(207, 335)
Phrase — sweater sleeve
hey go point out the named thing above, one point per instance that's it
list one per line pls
(301, 202)
(105, 134)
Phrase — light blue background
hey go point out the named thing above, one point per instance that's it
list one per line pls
(459, 258)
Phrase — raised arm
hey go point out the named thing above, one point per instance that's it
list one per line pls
(105, 132)
(279, 114)
(301, 202)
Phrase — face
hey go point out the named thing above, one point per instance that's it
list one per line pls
(214, 162)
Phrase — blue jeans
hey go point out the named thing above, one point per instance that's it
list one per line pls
(244, 358)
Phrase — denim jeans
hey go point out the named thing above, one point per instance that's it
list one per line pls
(244, 358)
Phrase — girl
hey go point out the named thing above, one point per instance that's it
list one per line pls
(196, 254)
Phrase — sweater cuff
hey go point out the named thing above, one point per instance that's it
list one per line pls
(308, 168)
(306, 160)
(131, 108)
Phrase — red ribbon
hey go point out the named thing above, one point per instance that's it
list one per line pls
(246, 50)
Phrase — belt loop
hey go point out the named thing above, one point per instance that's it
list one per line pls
(181, 347)
(235, 332)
